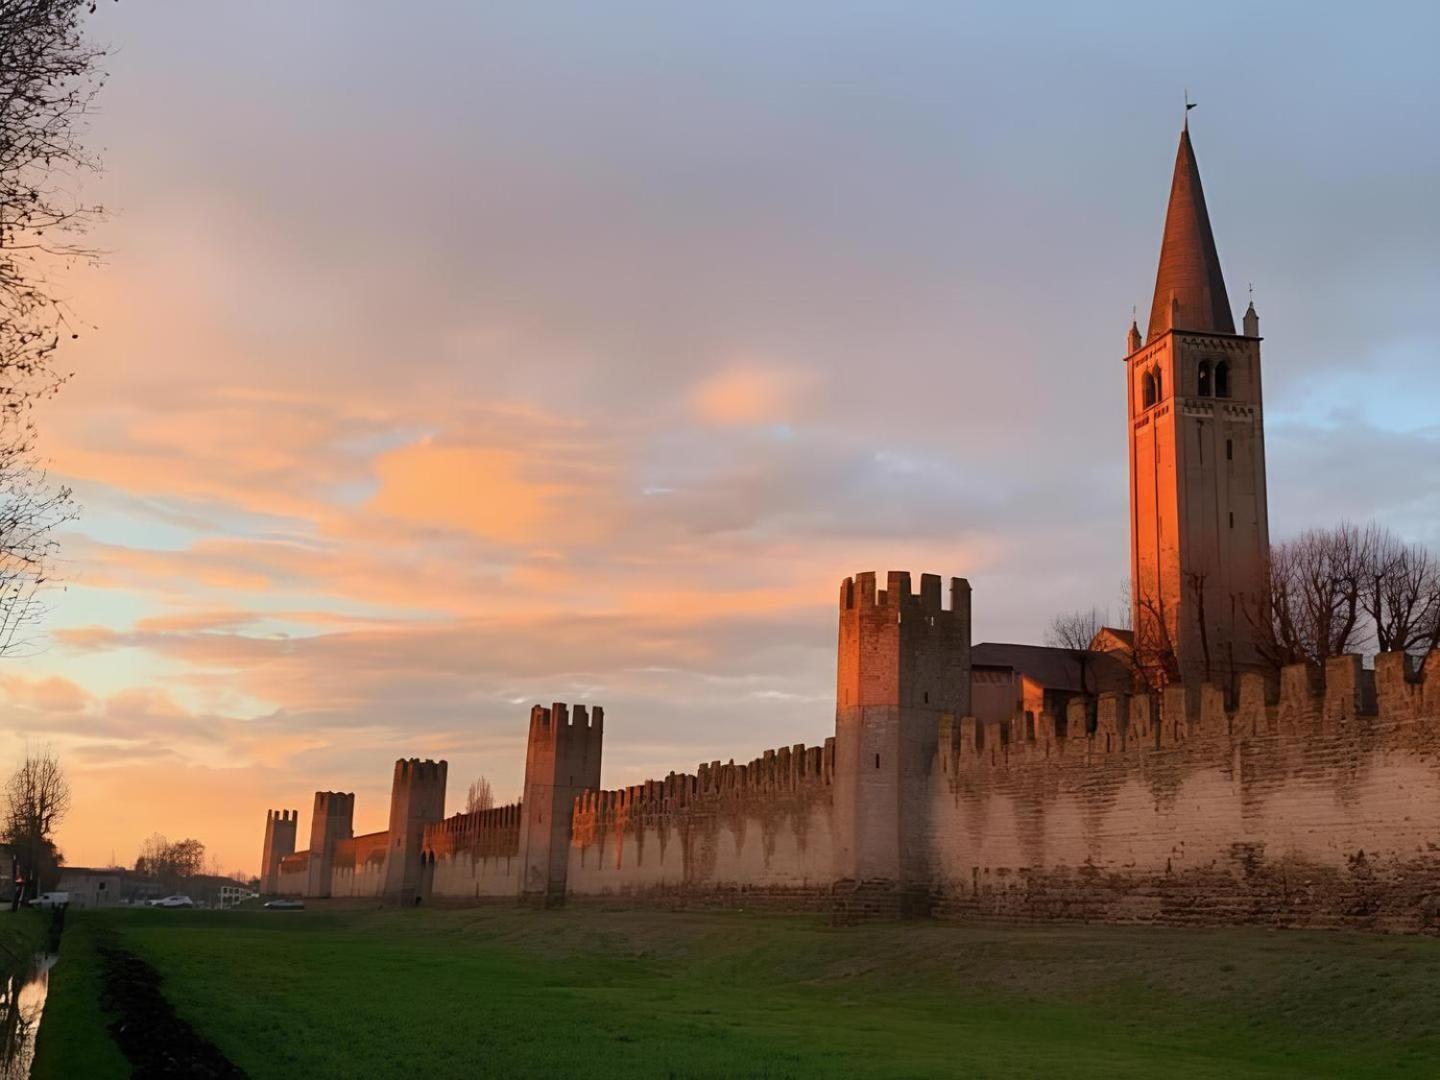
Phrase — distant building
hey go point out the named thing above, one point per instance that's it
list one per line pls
(111, 886)
(1019, 682)
(93, 888)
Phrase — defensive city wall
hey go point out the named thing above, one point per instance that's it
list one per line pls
(1313, 799)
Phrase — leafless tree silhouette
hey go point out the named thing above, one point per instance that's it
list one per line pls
(1074, 631)
(49, 76)
(480, 796)
(37, 798)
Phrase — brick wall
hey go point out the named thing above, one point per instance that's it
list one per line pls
(294, 874)
(476, 855)
(1317, 804)
(358, 865)
(736, 833)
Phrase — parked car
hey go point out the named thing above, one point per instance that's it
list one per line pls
(284, 905)
(176, 901)
(51, 900)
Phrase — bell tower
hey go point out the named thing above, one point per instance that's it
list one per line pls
(1199, 528)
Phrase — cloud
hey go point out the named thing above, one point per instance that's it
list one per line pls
(196, 621)
(747, 393)
(491, 492)
(54, 694)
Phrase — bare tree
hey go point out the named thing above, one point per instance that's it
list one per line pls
(152, 854)
(479, 797)
(1195, 581)
(1125, 605)
(1313, 606)
(169, 862)
(1074, 631)
(1400, 593)
(49, 76)
(1154, 660)
(37, 798)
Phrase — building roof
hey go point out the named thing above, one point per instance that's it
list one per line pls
(1054, 669)
(1189, 264)
(1113, 639)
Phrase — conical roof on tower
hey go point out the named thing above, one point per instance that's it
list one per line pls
(1189, 288)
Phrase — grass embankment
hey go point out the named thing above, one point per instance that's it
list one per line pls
(74, 1038)
(23, 933)
(511, 993)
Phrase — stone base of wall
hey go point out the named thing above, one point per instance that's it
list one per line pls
(1400, 897)
(713, 898)
(854, 902)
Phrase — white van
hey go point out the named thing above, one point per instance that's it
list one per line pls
(51, 900)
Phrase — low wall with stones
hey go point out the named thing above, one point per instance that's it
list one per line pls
(751, 834)
(1314, 802)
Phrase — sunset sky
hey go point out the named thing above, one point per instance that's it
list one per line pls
(453, 357)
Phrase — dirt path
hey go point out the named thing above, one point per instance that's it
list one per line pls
(156, 1041)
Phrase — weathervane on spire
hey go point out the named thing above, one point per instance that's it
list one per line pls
(1188, 106)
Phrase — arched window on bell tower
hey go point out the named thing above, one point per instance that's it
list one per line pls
(1222, 379)
(1148, 385)
(1202, 381)
(1159, 385)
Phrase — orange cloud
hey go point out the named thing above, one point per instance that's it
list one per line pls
(196, 621)
(748, 394)
(55, 694)
(473, 489)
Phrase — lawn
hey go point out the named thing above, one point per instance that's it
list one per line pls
(580, 991)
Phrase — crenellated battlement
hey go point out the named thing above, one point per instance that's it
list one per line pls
(1306, 701)
(418, 771)
(558, 718)
(774, 774)
(481, 834)
(859, 592)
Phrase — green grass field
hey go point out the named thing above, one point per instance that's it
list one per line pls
(492, 992)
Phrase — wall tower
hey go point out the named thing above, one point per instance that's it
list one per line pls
(1199, 528)
(562, 759)
(332, 821)
(903, 664)
(417, 797)
(280, 829)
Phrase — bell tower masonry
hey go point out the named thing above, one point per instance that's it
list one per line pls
(903, 665)
(562, 759)
(1199, 527)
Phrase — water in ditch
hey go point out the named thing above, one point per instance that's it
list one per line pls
(22, 1000)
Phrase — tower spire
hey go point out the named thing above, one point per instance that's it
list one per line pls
(1189, 287)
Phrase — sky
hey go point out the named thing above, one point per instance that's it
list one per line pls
(451, 358)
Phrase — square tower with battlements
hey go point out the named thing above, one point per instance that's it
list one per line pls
(562, 759)
(903, 665)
